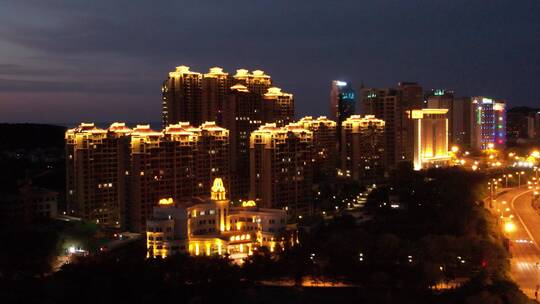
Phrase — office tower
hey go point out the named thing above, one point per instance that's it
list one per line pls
(96, 164)
(256, 82)
(342, 104)
(342, 101)
(459, 115)
(384, 104)
(411, 97)
(430, 145)
(489, 124)
(523, 123)
(443, 99)
(212, 156)
(278, 107)
(462, 121)
(182, 97)
(162, 166)
(215, 87)
(281, 167)
(324, 142)
(362, 153)
(391, 105)
(243, 114)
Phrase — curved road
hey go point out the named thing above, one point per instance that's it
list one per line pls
(524, 240)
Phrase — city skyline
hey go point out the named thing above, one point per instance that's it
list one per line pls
(88, 62)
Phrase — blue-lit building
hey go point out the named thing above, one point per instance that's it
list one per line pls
(342, 104)
(489, 123)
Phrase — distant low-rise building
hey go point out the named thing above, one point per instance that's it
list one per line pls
(214, 227)
(28, 204)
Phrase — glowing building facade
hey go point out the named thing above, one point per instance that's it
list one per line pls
(116, 176)
(243, 115)
(214, 227)
(246, 109)
(96, 162)
(178, 162)
(324, 142)
(239, 103)
(212, 156)
(489, 124)
(256, 82)
(278, 107)
(182, 97)
(281, 167)
(215, 88)
(362, 153)
(162, 165)
(430, 140)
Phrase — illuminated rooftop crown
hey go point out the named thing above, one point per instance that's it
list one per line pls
(166, 202)
(218, 190)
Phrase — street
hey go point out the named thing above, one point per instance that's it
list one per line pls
(524, 239)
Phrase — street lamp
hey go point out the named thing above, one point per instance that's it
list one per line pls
(509, 227)
(519, 174)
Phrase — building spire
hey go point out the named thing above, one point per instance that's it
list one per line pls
(218, 190)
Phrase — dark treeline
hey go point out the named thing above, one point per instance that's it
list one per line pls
(31, 136)
(440, 234)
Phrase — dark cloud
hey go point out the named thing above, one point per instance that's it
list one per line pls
(39, 86)
(103, 47)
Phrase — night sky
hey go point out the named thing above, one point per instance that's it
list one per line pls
(74, 60)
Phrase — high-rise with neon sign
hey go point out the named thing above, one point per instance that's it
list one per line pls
(489, 124)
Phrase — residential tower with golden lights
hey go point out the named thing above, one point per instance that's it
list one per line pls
(362, 152)
(281, 167)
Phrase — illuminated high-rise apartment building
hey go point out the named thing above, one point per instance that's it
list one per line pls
(362, 153)
(256, 82)
(278, 107)
(430, 140)
(182, 97)
(489, 124)
(116, 176)
(162, 165)
(391, 105)
(96, 163)
(244, 112)
(178, 162)
(243, 115)
(324, 142)
(239, 103)
(281, 167)
(215, 88)
(212, 156)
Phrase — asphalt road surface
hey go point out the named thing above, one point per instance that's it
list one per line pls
(525, 263)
